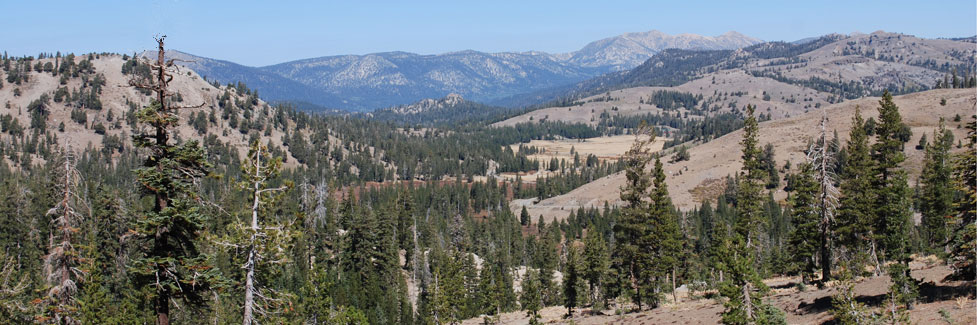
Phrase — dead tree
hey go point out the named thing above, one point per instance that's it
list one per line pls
(821, 157)
(61, 264)
(263, 240)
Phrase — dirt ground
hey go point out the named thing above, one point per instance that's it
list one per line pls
(812, 306)
(605, 148)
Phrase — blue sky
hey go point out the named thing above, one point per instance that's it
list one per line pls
(266, 32)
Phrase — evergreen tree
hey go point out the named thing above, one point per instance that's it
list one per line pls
(744, 287)
(596, 261)
(171, 265)
(856, 219)
(749, 199)
(572, 279)
(846, 308)
(13, 285)
(628, 257)
(804, 218)
(664, 238)
(94, 300)
(963, 240)
(936, 202)
(449, 290)
(892, 201)
(530, 298)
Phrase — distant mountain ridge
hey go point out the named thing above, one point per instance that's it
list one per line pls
(371, 81)
(629, 50)
(271, 87)
(851, 66)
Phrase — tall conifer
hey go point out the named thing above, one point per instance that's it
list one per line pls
(171, 265)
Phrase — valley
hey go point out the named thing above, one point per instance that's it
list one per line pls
(645, 178)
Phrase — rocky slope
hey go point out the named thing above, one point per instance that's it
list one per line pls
(629, 50)
(107, 122)
(271, 87)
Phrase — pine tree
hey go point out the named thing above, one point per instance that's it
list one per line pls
(892, 205)
(749, 200)
(405, 219)
(963, 240)
(171, 265)
(846, 308)
(936, 202)
(449, 289)
(547, 261)
(572, 279)
(804, 218)
(744, 287)
(524, 216)
(530, 298)
(13, 285)
(630, 257)
(856, 221)
(94, 300)
(596, 260)
(664, 238)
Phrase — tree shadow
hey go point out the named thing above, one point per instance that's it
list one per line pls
(928, 292)
(823, 304)
(931, 292)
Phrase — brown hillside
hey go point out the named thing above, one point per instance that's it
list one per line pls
(116, 96)
(711, 162)
(874, 61)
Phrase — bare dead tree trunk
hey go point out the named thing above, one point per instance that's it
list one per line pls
(60, 265)
(875, 256)
(674, 293)
(822, 158)
(634, 284)
(414, 265)
(827, 200)
(747, 301)
(249, 287)
(162, 199)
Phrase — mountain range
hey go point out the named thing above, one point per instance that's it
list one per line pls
(849, 66)
(378, 80)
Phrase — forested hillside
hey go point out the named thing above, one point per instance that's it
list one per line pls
(133, 191)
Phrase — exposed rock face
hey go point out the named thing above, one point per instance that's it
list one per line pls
(427, 105)
(629, 50)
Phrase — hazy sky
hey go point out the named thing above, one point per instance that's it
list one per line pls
(265, 32)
